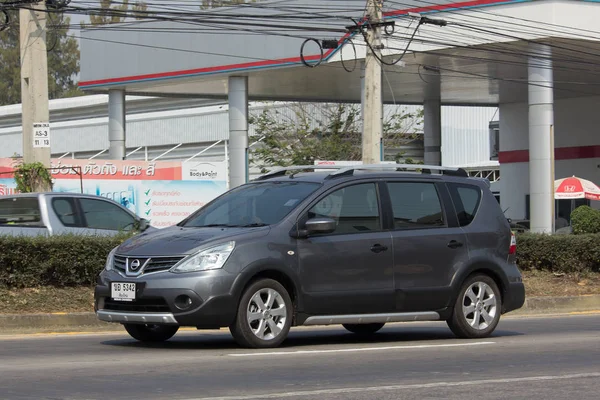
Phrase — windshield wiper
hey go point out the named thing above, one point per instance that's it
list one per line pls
(214, 226)
(254, 225)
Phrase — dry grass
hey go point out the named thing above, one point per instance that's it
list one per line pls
(46, 300)
(81, 299)
(544, 283)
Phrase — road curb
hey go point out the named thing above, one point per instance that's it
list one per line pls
(45, 321)
(533, 305)
(565, 304)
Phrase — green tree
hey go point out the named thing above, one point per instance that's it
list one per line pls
(301, 133)
(112, 12)
(33, 177)
(206, 4)
(63, 60)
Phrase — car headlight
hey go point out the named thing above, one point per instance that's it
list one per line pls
(211, 258)
(110, 259)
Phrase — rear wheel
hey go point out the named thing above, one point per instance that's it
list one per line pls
(477, 309)
(363, 329)
(151, 333)
(264, 315)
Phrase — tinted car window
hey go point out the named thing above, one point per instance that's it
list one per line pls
(100, 214)
(20, 211)
(415, 205)
(65, 210)
(466, 199)
(256, 204)
(354, 208)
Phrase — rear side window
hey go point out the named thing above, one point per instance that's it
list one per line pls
(466, 199)
(415, 205)
(20, 211)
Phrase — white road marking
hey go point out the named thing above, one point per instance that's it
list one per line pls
(300, 352)
(401, 387)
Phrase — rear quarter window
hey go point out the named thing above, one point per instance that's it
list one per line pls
(21, 211)
(466, 199)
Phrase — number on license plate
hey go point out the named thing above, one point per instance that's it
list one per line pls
(122, 291)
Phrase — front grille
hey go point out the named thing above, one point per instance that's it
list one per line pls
(155, 264)
(141, 305)
(119, 263)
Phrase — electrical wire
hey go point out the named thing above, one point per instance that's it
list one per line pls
(221, 28)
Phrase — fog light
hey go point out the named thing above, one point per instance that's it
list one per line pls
(183, 302)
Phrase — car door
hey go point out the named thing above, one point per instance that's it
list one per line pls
(348, 271)
(428, 244)
(104, 217)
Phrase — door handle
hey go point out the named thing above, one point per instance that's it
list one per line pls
(454, 244)
(377, 248)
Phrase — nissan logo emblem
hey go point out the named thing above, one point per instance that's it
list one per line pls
(135, 265)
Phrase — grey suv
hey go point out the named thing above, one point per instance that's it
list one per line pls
(358, 246)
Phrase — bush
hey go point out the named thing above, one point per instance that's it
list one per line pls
(53, 261)
(559, 253)
(67, 261)
(585, 219)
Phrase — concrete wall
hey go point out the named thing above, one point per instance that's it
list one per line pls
(577, 124)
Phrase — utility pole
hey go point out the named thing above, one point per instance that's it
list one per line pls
(373, 105)
(34, 84)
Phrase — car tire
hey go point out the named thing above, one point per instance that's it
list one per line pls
(477, 309)
(363, 329)
(264, 315)
(151, 333)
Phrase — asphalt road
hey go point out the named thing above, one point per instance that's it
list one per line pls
(527, 358)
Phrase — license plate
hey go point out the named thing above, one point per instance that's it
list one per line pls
(122, 291)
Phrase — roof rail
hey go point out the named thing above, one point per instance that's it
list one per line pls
(283, 170)
(343, 170)
(426, 169)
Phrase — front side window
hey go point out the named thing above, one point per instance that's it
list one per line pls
(354, 208)
(100, 214)
(257, 204)
(20, 211)
(415, 205)
(65, 210)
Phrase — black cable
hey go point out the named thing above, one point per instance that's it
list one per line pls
(302, 53)
(380, 59)
(4, 25)
(355, 56)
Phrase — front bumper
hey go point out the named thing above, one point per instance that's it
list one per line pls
(136, 318)
(212, 303)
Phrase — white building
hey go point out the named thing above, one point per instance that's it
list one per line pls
(177, 129)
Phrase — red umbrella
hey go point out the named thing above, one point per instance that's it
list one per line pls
(576, 188)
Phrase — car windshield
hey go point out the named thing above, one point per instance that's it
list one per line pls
(257, 204)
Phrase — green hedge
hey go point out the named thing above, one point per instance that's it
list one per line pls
(75, 261)
(53, 261)
(559, 253)
(585, 219)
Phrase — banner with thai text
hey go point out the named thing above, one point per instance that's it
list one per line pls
(163, 192)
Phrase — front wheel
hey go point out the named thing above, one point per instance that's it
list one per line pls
(151, 333)
(477, 309)
(264, 315)
(363, 329)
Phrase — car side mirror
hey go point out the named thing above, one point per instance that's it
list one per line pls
(143, 224)
(320, 225)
